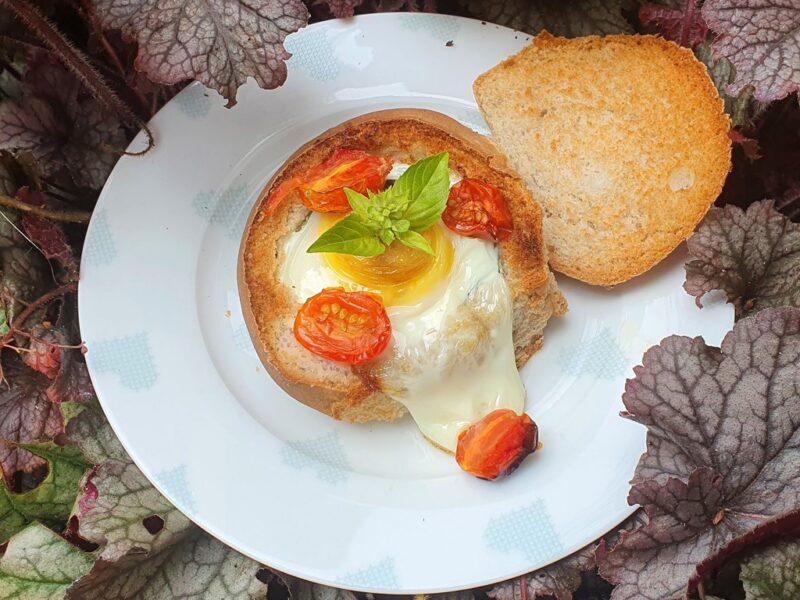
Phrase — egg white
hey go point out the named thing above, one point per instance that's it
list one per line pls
(451, 358)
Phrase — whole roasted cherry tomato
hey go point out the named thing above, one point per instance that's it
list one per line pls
(497, 444)
(321, 187)
(477, 209)
(349, 327)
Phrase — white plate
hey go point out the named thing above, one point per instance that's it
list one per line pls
(370, 507)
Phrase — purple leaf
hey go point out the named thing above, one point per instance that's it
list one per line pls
(753, 256)
(723, 452)
(569, 19)
(218, 42)
(340, 8)
(26, 415)
(48, 235)
(62, 127)
(684, 26)
(762, 40)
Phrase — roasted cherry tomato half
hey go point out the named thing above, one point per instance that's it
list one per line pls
(477, 209)
(348, 327)
(497, 444)
(321, 188)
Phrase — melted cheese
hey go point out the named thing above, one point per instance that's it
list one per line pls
(451, 359)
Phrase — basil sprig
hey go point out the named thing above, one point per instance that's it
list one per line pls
(402, 212)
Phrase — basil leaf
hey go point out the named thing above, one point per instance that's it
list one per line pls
(425, 186)
(359, 203)
(412, 239)
(349, 236)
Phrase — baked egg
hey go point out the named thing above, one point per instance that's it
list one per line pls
(451, 358)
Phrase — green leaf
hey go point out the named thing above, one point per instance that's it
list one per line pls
(773, 574)
(359, 203)
(195, 567)
(52, 500)
(116, 499)
(412, 239)
(90, 431)
(349, 236)
(386, 236)
(300, 589)
(425, 186)
(3, 319)
(40, 565)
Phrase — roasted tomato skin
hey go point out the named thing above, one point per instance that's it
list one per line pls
(347, 327)
(496, 445)
(322, 187)
(477, 209)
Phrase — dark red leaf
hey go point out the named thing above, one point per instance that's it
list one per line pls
(47, 235)
(723, 451)
(749, 146)
(340, 8)
(26, 415)
(684, 26)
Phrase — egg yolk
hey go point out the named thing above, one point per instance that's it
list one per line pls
(401, 275)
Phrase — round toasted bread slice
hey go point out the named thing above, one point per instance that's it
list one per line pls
(623, 140)
(407, 135)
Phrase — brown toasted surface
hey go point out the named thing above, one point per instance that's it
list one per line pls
(623, 141)
(407, 135)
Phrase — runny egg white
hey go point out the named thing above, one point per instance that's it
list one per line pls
(451, 358)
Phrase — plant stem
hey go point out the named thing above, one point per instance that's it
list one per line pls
(69, 288)
(68, 216)
(77, 63)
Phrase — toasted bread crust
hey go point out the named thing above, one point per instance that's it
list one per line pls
(623, 140)
(269, 306)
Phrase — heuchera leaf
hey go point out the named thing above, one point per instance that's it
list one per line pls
(26, 416)
(22, 268)
(115, 500)
(742, 108)
(52, 500)
(723, 451)
(48, 235)
(569, 19)
(92, 433)
(340, 8)
(299, 589)
(761, 38)
(218, 42)
(62, 127)
(683, 25)
(197, 566)
(561, 579)
(40, 565)
(773, 574)
(753, 256)
(775, 175)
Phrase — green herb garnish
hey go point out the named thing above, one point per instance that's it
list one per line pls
(400, 213)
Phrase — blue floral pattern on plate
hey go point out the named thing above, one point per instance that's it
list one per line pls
(99, 248)
(312, 52)
(380, 575)
(225, 209)
(176, 483)
(527, 530)
(324, 455)
(194, 101)
(599, 357)
(129, 357)
(441, 27)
